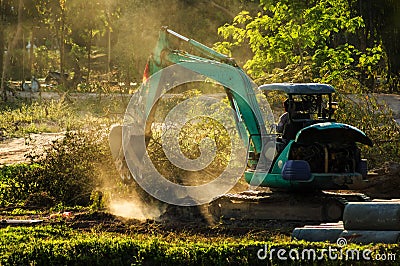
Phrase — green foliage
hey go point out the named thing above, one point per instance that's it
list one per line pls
(334, 65)
(69, 170)
(292, 41)
(12, 183)
(107, 39)
(45, 59)
(59, 245)
(283, 35)
(382, 23)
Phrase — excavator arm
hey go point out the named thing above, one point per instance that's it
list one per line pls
(213, 65)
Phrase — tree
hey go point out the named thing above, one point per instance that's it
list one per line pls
(136, 30)
(123, 33)
(53, 15)
(86, 28)
(300, 41)
(383, 23)
(13, 36)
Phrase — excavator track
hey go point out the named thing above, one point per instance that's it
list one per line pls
(283, 206)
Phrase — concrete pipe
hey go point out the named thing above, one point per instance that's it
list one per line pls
(372, 216)
(367, 237)
(317, 234)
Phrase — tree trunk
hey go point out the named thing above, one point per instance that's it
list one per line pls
(62, 48)
(89, 57)
(109, 54)
(2, 43)
(1, 57)
(31, 55)
(11, 45)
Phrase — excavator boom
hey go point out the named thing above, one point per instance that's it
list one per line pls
(239, 88)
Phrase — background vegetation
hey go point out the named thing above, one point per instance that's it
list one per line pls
(352, 43)
(345, 43)
(103, 46)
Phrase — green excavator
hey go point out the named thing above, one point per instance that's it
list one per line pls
(303, 166)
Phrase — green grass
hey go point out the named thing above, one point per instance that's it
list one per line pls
(19, 118)
(61, 245)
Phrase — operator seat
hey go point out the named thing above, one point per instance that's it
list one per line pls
(294, 125)
(291, 129)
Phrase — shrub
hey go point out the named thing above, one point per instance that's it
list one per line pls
(66, 173)
(376, 120)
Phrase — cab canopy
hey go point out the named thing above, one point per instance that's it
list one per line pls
(299, 88)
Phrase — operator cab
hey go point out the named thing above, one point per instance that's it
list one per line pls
(306, 104)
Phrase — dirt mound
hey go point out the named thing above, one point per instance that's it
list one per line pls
(384, 183)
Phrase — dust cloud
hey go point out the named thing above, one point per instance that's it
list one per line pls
(135, 209)
(129, 200)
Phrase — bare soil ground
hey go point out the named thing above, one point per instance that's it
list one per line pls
(103, 221)
(385, 182)
(15, 150)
